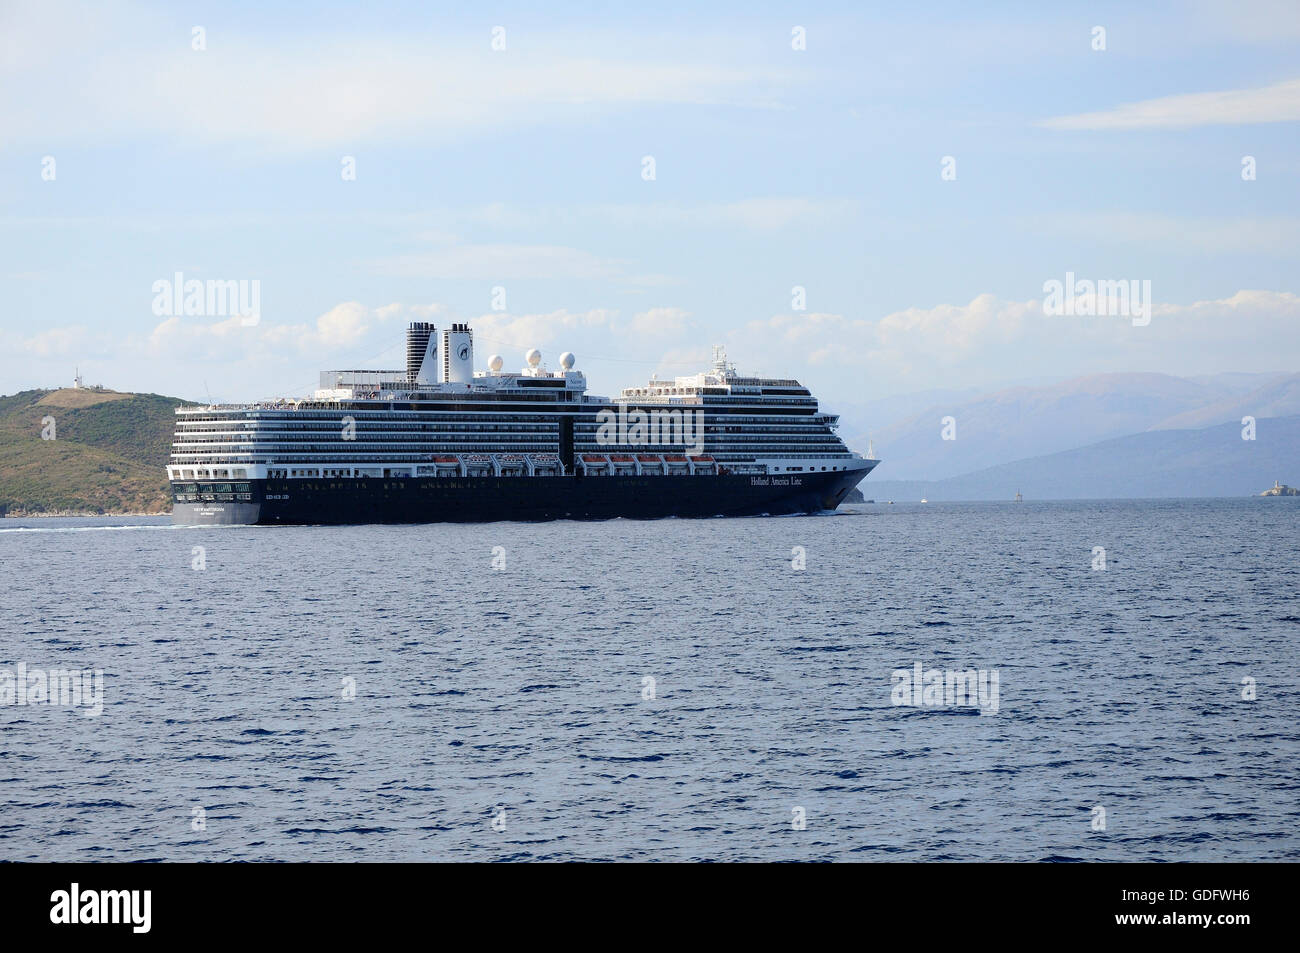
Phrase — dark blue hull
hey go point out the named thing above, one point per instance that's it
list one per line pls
(489, 499)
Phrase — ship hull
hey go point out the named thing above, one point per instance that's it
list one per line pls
(491, 499)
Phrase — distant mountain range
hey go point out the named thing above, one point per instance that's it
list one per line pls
(1029, 422)
(1277, 398)
(107, 456)
(1110, 435)
(1212, 461)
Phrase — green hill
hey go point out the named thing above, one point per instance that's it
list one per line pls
(107, 457)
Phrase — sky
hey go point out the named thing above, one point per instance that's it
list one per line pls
(868, 197)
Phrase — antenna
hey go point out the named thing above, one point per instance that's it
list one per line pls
(720, 365)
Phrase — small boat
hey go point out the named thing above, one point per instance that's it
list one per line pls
(1019, 498)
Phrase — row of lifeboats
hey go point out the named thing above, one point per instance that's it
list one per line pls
(549, 464)
(645, 464)
(492, 464)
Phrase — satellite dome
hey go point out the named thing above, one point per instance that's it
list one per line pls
(533, 357)
(495, 363)
(566, 360)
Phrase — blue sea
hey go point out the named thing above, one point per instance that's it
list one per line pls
(670, 690)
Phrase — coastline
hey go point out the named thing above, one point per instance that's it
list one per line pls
(82, 514)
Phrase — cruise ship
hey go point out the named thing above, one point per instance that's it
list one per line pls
(440, 441)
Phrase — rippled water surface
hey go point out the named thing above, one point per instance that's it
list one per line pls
(518, 693)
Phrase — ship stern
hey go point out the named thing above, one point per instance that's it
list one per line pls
(204, 498)
(216, 514)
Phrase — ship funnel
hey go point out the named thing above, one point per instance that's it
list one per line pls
(458, 354)
(421, 351)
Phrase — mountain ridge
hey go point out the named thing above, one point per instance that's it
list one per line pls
(111, 447)
(107, 455)
(1023, 422)
(1206, 462)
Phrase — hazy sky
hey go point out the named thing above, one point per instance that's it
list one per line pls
(523, 168)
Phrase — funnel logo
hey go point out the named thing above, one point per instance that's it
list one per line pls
(463, 353)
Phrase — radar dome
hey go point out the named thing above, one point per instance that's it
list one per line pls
(495, 363)
(533, 357)
(566, 360)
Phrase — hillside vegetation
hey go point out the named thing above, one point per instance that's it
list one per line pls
(107, 456)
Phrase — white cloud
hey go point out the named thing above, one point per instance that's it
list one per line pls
(763, 214)
(1280, 309)
(1266, 22)
(136, 72)
(344, 326)
(1277, 103)
(771, 213)
(982, 343)
(351, 327)
(659, 321)
(516, 333)
(489, 262)
(1263, 234)
(62, 343)
(990, 340)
